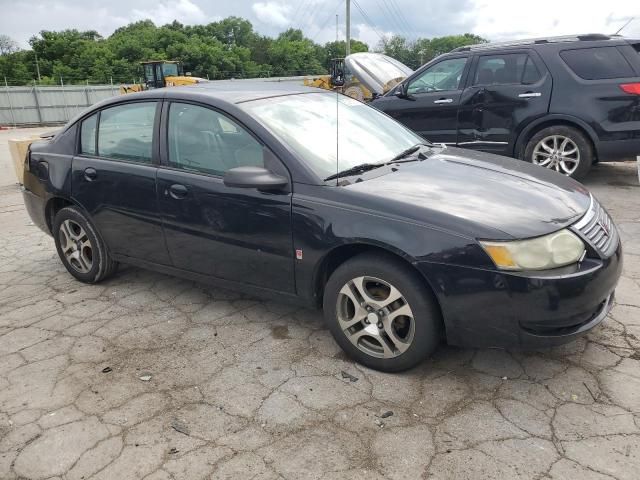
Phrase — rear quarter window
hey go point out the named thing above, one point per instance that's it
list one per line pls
(597, 63)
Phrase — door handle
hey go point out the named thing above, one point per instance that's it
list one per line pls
(530, 95)
(177, 191)
(90, 174)
(444, 100)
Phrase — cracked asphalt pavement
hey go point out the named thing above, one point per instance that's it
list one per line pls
(149, 376)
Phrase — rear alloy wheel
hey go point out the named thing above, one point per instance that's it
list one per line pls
(561, 148)
(80, 248)
(557, 152)
(76, 246)
(381, 313)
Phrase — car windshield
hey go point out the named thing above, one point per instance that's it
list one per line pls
(307, 123)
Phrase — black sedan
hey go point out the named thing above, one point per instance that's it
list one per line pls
(304, 195)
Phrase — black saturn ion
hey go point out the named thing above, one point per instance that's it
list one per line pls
(255, 186)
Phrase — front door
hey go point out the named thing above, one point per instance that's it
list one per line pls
(507, 91)
(430, 107)
(114, 179)
(241, 235)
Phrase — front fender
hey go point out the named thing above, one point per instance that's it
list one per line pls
(320, 227)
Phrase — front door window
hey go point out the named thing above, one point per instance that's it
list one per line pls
(443, 76)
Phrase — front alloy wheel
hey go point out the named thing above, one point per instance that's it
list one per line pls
(375, 317)
(381, 312)
(557, 152)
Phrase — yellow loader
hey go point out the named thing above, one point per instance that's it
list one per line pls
(160, 74)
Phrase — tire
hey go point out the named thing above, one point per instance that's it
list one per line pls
(552, 158)
(415, 331)
(86, 257)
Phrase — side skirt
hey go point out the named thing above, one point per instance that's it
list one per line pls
(263, 293)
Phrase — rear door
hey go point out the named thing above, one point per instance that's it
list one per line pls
(431, 106)
(114, 179)
(506, 91)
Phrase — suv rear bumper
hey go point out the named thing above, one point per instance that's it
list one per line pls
(616, 150)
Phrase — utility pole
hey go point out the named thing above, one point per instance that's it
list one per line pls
(348, 36)
(336, 28)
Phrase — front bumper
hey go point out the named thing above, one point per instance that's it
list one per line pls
(489, 308)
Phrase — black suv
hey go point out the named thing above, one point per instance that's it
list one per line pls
(562, 102)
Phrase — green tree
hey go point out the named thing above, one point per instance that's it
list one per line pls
(8, 45)
(15, 68)
(292, 54)
(338, 49)
(229, 48)
(415, 54)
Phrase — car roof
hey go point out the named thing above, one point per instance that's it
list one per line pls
(588, 37)
(240, 91)
(221, 91)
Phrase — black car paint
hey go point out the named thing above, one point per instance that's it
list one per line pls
(480, 116)
(417, 211)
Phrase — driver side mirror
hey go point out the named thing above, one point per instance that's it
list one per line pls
(403, 91)
(254, 177)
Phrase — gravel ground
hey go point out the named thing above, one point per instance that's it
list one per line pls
(148, 376)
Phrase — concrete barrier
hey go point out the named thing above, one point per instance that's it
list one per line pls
(18, 148)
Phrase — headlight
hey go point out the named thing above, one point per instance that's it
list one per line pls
(541, 253)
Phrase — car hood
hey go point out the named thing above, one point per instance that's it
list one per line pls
(378, 72)
(477, 194)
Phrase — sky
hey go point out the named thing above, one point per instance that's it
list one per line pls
(371, 19)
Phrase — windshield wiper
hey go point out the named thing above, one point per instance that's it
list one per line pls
(406, 153)
(363, 167)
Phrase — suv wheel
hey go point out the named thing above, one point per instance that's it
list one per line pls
(81, 250)
(563, 149)
(381, 313)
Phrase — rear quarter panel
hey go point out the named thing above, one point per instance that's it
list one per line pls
(49, 172)
(612, 114)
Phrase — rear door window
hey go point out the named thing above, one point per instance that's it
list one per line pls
(126, 132)
(88, 135)
(597, 63)
(531, 74)
(507, 69)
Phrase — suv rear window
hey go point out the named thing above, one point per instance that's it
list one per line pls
(597, 63)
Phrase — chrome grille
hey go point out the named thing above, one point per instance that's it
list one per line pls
(598, 230)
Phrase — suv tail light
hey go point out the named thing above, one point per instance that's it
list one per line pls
(633, 88)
